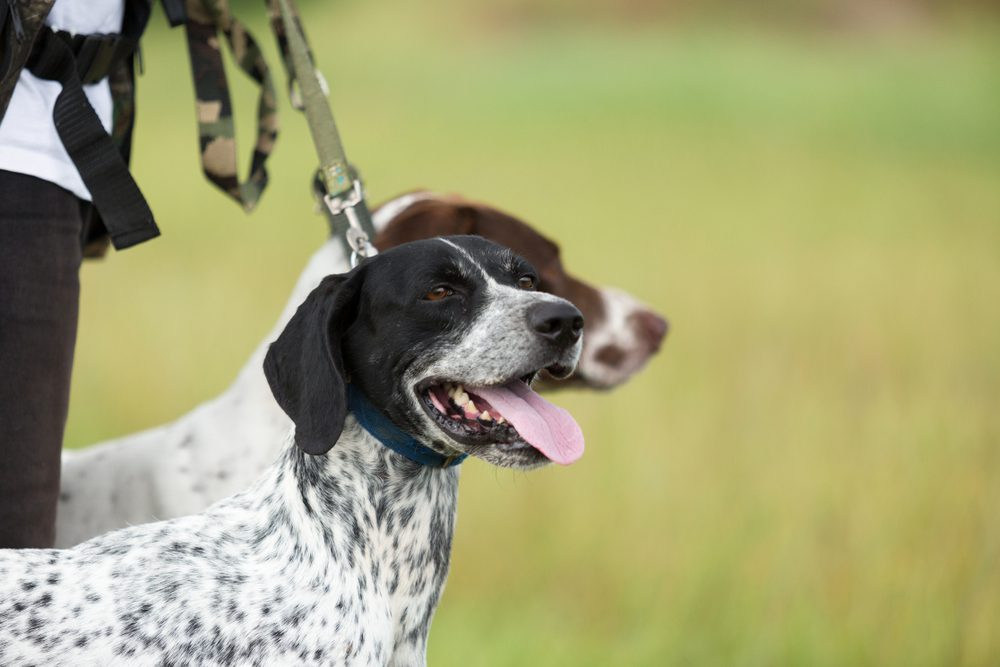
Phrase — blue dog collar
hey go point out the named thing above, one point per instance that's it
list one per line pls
(393, 437)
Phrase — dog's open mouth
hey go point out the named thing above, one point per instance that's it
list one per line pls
(511, 416)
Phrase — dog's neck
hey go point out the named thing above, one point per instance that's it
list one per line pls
(379, 426)
(385, 521)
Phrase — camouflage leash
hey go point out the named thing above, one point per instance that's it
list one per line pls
(344, 193)
(339, 187)
(216, 128)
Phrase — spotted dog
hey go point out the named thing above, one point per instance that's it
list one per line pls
(223, 445)
(337, 555)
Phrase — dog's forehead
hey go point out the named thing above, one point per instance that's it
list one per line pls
(476, 255)
(471, 256)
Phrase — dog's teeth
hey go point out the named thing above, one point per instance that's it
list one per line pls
(501, 420)
(459, 397)
(486, 416)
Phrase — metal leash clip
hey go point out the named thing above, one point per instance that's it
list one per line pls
(357, 239)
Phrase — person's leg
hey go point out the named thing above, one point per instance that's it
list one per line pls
(40, 255)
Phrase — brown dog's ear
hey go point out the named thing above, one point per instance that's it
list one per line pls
(427, 219)
(305, 366)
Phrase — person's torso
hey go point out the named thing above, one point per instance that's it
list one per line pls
(29, 143)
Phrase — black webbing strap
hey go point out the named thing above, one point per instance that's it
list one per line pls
(115, 195)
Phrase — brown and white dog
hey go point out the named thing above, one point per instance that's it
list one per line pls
(221, 446)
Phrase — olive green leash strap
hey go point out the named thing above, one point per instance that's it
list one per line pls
(216, 126)
(280, 35)
(343, 192)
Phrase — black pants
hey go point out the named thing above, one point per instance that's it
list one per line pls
(40, 255)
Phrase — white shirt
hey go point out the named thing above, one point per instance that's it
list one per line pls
(29, 143)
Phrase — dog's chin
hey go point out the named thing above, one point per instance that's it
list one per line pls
(473, 430)
(519, 455)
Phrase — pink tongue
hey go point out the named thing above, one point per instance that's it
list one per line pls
(546, 427)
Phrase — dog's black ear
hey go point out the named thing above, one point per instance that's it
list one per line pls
(305, 365)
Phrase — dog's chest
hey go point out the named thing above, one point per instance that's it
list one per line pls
(387, 528)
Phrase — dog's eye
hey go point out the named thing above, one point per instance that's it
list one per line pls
(526, 282)
(438, 293)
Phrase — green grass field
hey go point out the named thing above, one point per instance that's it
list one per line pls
(809, 473)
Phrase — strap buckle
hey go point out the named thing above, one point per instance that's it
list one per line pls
(357, 238)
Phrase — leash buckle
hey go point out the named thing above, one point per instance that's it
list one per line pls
(357, 239)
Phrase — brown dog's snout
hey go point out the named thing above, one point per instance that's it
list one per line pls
(651, 328)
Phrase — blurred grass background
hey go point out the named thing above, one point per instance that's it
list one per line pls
(809, 473)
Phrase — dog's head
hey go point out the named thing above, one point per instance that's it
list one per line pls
(444, 337)
(622, 333)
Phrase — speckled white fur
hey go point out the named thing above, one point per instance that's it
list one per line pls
(337, 559)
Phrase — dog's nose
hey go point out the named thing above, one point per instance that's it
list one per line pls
(559, 321)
